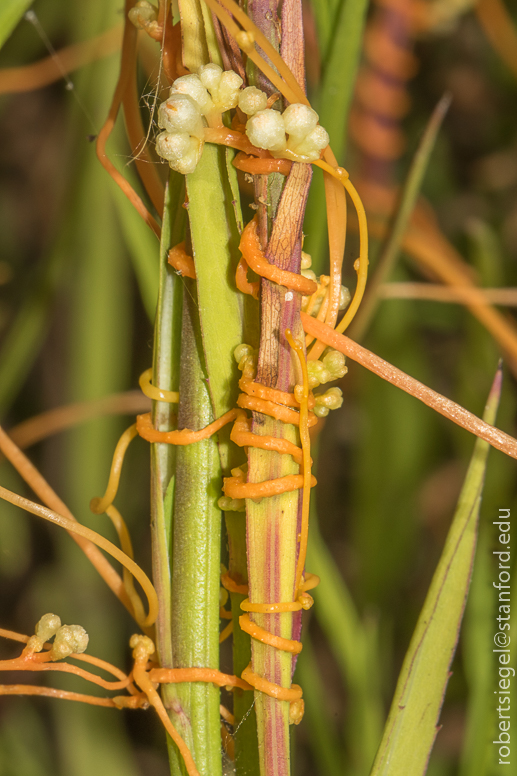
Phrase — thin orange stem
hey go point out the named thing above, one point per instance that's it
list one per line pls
(436, 401)
(128, 52)
(43, 490)
(52, 422)
(50, 692)
(456, 295)
(64, 61)
(74, 527)
(500, 30)
(178, 675)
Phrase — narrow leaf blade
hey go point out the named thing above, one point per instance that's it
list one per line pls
(11, 11)
(412, 722)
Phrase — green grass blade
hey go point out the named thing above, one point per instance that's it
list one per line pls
(11, 11)
(213, 218)
(412, 722)
(143, 250)
(408, 197)
(324, 15)
(166, 357)
(214, 243)
(478, 662)
(196, 557)
(27, 333)
(333, 106)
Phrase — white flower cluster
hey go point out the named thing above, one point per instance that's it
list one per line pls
(294, 134)
(68, 639)
(183, 115)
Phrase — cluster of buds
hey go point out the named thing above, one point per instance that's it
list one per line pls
(194, 100)
(331, 367)
(198, 100)
(330, 400)
(246, 358)
(312, 304)
(294, 134)
(144, 16)
(68, 639)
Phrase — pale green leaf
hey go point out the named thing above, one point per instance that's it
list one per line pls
(333, 105)
(412, 722)
(11, 11)
(214, 244)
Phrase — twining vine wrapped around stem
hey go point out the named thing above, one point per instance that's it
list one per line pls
(233, 348)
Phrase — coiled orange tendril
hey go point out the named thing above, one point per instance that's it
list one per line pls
(280, 405)
(105, 504)
(260, 166)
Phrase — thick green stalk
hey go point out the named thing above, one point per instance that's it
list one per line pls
(166, 376)
(227, 319)
(196, 536)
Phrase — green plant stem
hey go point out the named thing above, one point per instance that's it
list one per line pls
(226, 320)
(194, 706)
(411, 728)
(166, 376)
(340, 54)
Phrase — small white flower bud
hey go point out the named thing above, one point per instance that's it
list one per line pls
(266, 130)
(317, 374)
(191, 85)
(308, 273)
(332, 399)
(188, 163)
(210, 76)
(334, 361)
(228, 91)
(299, 120)
(181, 151)
(142, 646)
(251, 100)
(173, 146)
(143, 15)
(227, 504)
(241, 351)
(344, 298)
(320, 411)
(180, 113)
(306, 260)
(310, 146)
(69, 639)
(47, 626)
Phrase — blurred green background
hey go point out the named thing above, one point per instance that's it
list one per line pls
(79, 273)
